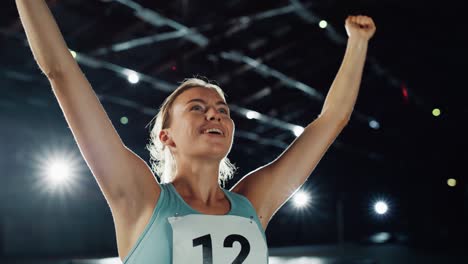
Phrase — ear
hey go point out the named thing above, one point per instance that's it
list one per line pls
(165, 138)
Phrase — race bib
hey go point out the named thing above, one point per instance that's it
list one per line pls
(217, 239)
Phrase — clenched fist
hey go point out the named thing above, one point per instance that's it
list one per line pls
(362, 27)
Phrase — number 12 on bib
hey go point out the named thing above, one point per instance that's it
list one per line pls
(216, 239)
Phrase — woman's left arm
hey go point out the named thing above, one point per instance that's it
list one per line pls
(270, 186)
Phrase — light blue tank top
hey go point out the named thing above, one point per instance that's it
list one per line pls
(156, 241)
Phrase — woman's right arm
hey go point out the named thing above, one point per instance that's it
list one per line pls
(120, 173)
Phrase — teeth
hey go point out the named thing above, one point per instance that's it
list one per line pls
(213, 130)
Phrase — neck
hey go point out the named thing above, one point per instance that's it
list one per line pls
(198, 179)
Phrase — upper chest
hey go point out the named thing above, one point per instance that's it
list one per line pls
(220, 207)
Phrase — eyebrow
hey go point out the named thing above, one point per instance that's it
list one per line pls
(204, 102)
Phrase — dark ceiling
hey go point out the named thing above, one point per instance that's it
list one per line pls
(260, 52)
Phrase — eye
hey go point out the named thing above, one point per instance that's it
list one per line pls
(196, 107)
(224, 110)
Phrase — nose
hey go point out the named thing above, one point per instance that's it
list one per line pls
(212, 114)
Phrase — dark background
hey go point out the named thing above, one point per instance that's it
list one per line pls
(418, 47)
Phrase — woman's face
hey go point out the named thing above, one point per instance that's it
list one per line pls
(192, 113)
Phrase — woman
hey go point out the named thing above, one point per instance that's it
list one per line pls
(188, 217)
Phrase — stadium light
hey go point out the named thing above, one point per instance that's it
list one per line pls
(301, 199)
(381, 207)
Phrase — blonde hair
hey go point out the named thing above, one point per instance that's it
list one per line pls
(161, 159)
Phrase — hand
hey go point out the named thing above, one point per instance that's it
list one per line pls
(361, 27)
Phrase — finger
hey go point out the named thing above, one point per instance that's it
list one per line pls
(367, 21)
(361, 20)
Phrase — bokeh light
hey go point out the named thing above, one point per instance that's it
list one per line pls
(133, 77)
(452, 182)
(374, 124)
(323, 24)
(124, 120)
(252, 115)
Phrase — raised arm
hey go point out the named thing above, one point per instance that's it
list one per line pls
(270, 186)
(122, 176)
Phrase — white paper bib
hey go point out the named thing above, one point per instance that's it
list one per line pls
(217, 239)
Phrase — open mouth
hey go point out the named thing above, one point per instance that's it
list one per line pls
(214, 132)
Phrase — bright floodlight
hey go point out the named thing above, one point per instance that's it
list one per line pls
(323, 24)
(133, 77)
(58, 172)
(380, 207)
(252, 115)
(298, 130)
(436, 112)
(301, 199)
